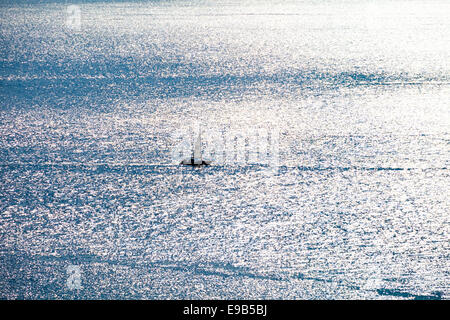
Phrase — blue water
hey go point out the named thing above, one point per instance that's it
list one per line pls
(359, 206)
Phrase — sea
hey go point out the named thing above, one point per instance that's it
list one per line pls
(353, 202)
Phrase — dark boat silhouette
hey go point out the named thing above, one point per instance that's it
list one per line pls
(196, 159)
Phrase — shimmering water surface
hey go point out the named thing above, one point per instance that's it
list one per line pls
(359, 207)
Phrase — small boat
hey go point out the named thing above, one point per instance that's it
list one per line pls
(196, 159)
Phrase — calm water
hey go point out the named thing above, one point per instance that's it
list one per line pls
(359, 207)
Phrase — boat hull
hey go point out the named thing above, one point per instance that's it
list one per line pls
(195, 163)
